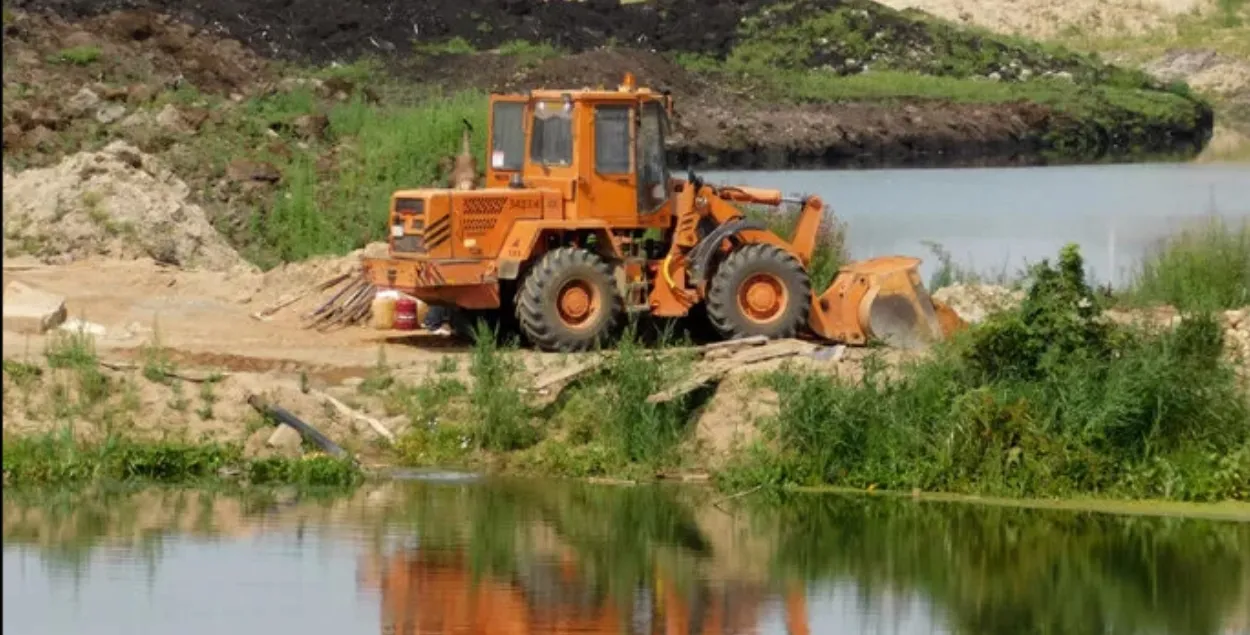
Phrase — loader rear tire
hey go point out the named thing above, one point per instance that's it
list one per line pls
(759, 290)
(569, 301)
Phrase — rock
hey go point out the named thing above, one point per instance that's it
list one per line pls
(31, 311)
(169, 118)
(45, 117)
(246, 170)
(40, 138)
(311, 126)
(12, 136)
(973, 302)
(139, 94)
(110, 93)
(110, 113)
(78, 39)
(83, 102)
(285, 439)
(75, 325)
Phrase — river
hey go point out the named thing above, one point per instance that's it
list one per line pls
(505, 556)
(995, 220)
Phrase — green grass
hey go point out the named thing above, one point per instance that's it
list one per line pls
(61, 460)
(1201, 268)
(1040, 401)
(79, 55)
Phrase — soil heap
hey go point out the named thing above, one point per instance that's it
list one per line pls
(118, 203)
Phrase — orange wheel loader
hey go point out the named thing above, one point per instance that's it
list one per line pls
(580, 223)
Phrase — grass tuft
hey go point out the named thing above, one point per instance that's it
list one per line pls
(1201, 268)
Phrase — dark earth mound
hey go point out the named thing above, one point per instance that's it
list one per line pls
(724, 120)
(322, 30)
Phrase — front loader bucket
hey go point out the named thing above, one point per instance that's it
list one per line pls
(881, 298)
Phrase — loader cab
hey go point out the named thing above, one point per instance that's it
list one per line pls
(603, 150)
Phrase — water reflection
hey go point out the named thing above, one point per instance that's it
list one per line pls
(506, 557)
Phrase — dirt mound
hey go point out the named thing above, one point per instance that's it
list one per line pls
(975, 302)
(118, 203)
(141, 48)
(1205, 70)
(1051, 17)
(327, 29)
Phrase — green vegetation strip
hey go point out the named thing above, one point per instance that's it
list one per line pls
(1044, 400)
(59, 460)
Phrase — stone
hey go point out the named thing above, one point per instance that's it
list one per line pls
(245, 170)
(170, 119)
(110, 113)
(40, 138)
(31, 311)
(83, 102)
(285, 439)
(12, 136)
(311, 126)
(75, 325)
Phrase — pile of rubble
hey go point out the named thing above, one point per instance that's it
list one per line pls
(118, 203)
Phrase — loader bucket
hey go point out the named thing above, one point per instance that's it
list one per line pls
(881, 298)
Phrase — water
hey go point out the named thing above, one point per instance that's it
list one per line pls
(510, 556)
(997, 220)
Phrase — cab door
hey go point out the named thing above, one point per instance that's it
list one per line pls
(611, 187)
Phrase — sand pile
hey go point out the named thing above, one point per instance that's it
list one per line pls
(975, 302)
(1045, 19)
(118, 203)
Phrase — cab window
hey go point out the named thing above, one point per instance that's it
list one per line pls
(652, 170)
(612, 147)
(551, 136)
(508, 130)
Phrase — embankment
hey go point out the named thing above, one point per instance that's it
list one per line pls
(760, 84)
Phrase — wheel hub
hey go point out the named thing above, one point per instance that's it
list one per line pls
(577, 303)
(761, 297)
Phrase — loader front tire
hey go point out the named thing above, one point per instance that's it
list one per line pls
(759, 290)
(569, 301)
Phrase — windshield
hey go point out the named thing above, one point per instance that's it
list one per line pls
(551, 141)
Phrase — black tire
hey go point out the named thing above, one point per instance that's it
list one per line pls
(538, 301)
(728, 315)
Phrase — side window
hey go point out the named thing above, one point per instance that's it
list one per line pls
(612, 148)
(652, 170)
(551, 141)
(507, 150)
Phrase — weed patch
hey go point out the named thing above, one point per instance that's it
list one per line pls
(1045, 399)
(500, 412)
(1204, 268)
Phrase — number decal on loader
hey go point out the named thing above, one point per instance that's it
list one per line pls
(526, 204)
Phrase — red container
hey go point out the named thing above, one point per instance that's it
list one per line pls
(405, 314)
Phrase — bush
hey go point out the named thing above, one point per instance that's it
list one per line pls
(1045, 399)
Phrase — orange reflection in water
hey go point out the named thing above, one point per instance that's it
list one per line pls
(427, 592)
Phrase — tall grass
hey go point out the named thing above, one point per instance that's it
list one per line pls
(636, 430)
(1047, 399)
(502, 416)
(384, 149)
(1201, 268)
